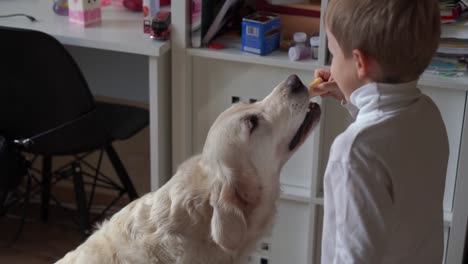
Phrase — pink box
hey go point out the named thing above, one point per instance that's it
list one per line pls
(84, 13)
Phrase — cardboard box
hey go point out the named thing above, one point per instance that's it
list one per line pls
(296, 17)
(84, 12)
(295, 23)
(260, 33)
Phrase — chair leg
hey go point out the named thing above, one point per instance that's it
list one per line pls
(121, 172)
(45, 186)
(3, 196)
(80, 198)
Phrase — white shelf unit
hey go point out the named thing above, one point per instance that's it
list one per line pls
(203, 81)
(441, 82)
(276, 58)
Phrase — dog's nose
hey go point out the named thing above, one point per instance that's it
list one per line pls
(294, 84)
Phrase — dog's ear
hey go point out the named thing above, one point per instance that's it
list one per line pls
(228, 223)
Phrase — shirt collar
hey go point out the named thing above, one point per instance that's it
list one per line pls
(384, 97)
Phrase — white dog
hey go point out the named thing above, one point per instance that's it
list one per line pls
(219, 203)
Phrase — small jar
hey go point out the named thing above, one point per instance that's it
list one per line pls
(300, 39)
(299, 51)
(314, 45)
(60, 7)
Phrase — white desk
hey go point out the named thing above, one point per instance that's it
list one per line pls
(120, 31)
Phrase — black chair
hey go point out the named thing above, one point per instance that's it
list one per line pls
(46, 105)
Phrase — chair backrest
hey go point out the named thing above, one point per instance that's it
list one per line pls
(41, 86)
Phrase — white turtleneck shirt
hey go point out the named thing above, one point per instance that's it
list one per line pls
(384, 181)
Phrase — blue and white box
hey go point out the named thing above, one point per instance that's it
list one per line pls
(260, 33)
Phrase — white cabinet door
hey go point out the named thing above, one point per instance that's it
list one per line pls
(288, 241)
(290, 235)
(451, 104)
(215, 82)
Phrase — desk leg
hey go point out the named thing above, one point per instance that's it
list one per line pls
(160, 125)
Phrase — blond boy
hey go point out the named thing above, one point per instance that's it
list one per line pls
(385, 177)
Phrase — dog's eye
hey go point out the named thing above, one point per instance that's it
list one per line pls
(252, 122)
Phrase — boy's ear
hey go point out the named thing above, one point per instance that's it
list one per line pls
(366, 66)
(228, 223)
(362, 63)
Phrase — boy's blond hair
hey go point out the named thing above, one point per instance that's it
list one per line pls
(401, 35)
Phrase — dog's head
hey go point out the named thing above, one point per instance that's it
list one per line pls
(246, 148)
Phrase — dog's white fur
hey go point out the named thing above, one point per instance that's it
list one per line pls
(219, 203)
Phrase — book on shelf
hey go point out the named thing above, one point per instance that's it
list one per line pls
(448, 65)
(452, 50)
(202, 14)
(195, 22)
(211, 18)
(454, 35)
(225, 12)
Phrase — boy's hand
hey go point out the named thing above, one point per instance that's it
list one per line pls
(328, 86)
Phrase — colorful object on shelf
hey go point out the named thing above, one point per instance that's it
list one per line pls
(164, 2)
(133, 5)
(300, 51)
(314, 46)
(285, 44)
(448, 65)
(60, 7)
(150, 9)
(260, 33)
(216, 46)
(450, 11)
(160, 26)
(84, 12)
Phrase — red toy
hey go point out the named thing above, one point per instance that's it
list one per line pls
(134, 5)
(160, 26)
(137, 5)
(215, 45)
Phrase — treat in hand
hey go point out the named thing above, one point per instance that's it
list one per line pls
(312, 91)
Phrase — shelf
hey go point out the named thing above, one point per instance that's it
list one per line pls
(298, 194)
(280, 59)
(301, 194)
(294, 193)
(459, 83)
(275, 59)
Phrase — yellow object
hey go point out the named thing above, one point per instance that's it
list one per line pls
(313, 93)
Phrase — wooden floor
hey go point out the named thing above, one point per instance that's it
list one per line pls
(39, 242)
